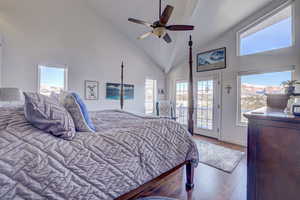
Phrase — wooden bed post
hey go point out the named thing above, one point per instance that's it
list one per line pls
(190, 175)
(191, 98)
(189, 166)
(122, 87)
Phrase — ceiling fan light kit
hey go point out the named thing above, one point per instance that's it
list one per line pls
(160, 27)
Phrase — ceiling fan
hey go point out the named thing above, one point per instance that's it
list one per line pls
(160, 27)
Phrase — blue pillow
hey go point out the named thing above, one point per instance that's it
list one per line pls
(78, 110)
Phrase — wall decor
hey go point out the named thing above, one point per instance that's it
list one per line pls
(113, 91)
(91, 90)
(161, 92)
(228, 88)
(211, 60)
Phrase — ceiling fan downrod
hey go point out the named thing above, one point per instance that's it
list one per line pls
(159, 9)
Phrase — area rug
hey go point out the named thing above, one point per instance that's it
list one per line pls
(219, 157)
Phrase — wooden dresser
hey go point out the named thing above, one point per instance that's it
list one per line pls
(273, 156)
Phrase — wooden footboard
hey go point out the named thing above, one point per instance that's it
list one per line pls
(159, 180)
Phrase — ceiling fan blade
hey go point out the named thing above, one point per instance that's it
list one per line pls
(164, 18)
(144, 35)
(167, 38)
(180, 28)
(137, 21)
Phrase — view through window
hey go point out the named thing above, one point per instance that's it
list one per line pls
(52, 79)
(182, 102)
(254, 87)
(150, 96)
(205, 102)
(274, 32)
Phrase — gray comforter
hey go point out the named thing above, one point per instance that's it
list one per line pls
(126, 151)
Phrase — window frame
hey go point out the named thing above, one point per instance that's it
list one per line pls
(239, 123)
(57, 66)
(154, 95)
(263, 18)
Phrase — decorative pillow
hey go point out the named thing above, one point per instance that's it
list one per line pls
(60, 97)
(77, 108)
(48, 115)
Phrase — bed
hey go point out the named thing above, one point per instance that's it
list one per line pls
(125, 154)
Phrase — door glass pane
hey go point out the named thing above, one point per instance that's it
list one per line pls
(150, 96)
(182, 102)
(205, 101)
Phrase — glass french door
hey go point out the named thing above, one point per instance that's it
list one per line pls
(207, 106)
(181, 100)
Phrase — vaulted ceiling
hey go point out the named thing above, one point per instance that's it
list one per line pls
(211, 18)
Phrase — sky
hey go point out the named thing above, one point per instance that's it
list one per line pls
(273, 37)
(276, 36)
(52, 76)
(273, 79)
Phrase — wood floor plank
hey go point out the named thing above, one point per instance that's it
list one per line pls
(210, 183)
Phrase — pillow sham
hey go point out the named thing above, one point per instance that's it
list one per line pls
(78, 110)
(60, 97)
(48, 115)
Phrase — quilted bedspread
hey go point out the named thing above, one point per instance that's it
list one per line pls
(126, 151)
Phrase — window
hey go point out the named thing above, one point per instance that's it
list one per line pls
(182, 102)
(150, 96)
(205, 102)
(274, 31)
(52, 79)
(253, 87)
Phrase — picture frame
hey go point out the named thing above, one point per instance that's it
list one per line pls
(113, 91)
(212, 60)
(91, 90)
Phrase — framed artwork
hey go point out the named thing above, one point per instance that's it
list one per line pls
(211, 60)
(113, 91)
(91, 90)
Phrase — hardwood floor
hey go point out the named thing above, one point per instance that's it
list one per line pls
(210, 183)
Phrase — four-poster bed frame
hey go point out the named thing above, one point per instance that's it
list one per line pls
(122, 87)
(191, 90)
(143, 189)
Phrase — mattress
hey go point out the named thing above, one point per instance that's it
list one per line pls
(126, 152)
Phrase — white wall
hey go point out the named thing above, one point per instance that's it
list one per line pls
(69, 32)
(230, 132)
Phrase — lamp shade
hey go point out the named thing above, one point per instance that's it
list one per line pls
(10, 94)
